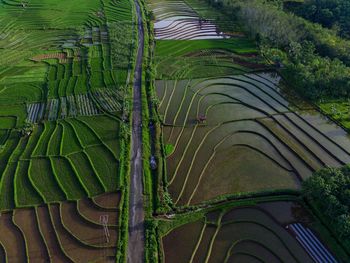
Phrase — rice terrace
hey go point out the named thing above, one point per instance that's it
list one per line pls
(168, 131)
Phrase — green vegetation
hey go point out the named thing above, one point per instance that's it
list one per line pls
(329, 13)
(169, 149)
(328, 192)
(312, 57)
(65, 74)
(63, 87)
(204, 58)
(179, 47)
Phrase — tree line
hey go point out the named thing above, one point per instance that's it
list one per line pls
(328, 190)
(312, 57)
(333, 14)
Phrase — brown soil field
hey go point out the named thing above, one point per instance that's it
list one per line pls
(12, 239)
(25, 219)
(75, 248)
(92, 212)
(88, 232)
(108, 200)
(186, 238)
(59, 233)
(55, 251)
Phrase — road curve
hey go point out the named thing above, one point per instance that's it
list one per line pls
(136, 241)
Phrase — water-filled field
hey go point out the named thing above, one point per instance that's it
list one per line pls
(231, 128)
(193, 42)
(244, 234)
(239, 134)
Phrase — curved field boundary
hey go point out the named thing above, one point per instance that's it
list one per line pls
(87, 215)
(32, 142)
(198, 241)
(43, 141)
(85, 171)
(192, 96)
(48, 232)
(268, 229)
(187, 29)
(69, 241)
(273, 87)
(7, 198)
(44, 181)
(212, 241)
(167, 10)
(286, 115)
(25, 219)
(12, 240)
(66, 178)
(89, 234)
(3, 255)
(54, 143)
(220, 241)
(24, 191)
(100, 138)
(236, 144)
(230, 251)
(91, 212)
(213, 155)
(308, 136)
(87, 156)
(307, 148)
(112, 198)
(214, 129)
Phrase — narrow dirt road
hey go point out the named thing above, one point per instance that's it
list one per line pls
(136, 241)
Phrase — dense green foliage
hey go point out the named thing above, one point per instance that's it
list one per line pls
(329, 191)
(313, 76)
(329, 13)
(314, 58)
(179, 47)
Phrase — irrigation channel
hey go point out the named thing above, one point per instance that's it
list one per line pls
(136, 214)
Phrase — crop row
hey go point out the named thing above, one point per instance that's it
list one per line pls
(62, 232)
(177, 20)
(63, 160)
(71, 78)
(75, 105)
(118, 11)
(94, 36)
(187, 59)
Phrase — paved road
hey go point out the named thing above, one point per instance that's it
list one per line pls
(136, 213)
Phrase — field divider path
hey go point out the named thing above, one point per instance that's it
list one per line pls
(136, 240)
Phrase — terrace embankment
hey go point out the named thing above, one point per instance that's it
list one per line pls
(232, 129)
(226, 235)
(251, 138)
(62, 232)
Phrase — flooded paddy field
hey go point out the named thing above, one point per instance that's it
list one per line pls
(239, 134)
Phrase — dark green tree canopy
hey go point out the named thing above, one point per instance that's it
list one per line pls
(329, 191)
